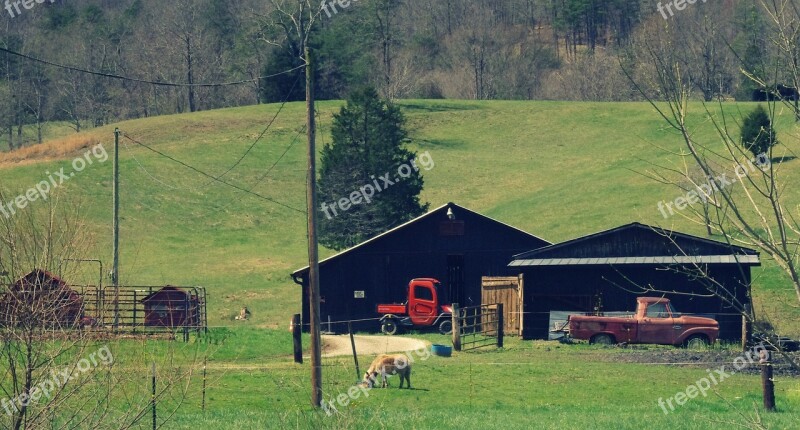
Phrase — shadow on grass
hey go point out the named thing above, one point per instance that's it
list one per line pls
(440, 143)
(437, 107)
(779, 160)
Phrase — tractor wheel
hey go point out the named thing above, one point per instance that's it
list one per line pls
(697, 341)
(602, 339)
(446, 327)
(389, 327)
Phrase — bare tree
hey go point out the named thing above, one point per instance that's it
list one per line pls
(58, 371)
(749, 195)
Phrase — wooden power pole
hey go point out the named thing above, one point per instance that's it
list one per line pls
(115, 264)
(313, 248)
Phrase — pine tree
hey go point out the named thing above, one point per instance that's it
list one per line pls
(758, 135)
(369, 182)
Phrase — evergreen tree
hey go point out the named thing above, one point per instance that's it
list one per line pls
(369, 182)
(288, 86)
(758, 135)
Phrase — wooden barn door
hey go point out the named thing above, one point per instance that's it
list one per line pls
(508, 291)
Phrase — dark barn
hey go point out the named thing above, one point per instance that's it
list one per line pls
(43, 299)
(452, 244)
(606, 271)
(171, 307)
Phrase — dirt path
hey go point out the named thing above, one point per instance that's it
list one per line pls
(368, 345)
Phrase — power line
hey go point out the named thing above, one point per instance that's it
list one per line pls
(264, 176)
(143, 81)
(190, 167)
(266, 129)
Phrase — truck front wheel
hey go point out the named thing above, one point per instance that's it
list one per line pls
(602, 339)
(389, 327)
(446, 327)
(697, 341)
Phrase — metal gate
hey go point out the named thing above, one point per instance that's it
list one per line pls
(477, 326)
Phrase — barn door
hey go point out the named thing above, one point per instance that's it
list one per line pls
(508, 291)
(455, 279)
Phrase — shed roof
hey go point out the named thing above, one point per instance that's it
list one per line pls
(42, 278)
(440, 210)
(637, 244)
(167, 291)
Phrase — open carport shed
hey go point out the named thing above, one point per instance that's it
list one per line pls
(606, 271)
(451, 243)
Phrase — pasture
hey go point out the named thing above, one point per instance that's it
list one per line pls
(546, 384)
(556, 169)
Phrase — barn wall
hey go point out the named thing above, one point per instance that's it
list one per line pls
(576, 288)
(383, 268)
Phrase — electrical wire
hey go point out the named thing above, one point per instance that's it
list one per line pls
(266, 129)
(195, 169)
(144, 81)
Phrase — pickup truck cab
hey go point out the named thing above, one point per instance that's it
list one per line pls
(655, 322)
(422, 309)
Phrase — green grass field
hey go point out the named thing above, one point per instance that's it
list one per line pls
(556, 169)
(527, 384)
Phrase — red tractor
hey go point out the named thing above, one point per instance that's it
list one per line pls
(421, 310)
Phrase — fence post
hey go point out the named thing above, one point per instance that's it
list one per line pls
(205, 364)
(353, 345)
(134, 310)
(746, 327)
(500, 324)
(298, 342)
(456, 328)
(767, 383)
(153, 396)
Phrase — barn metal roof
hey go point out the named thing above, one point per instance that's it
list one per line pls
(678, 259)
(640, 244)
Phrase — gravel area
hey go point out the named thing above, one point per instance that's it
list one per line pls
(335, 345)
(710, 359)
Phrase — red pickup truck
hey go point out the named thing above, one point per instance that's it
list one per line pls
(655, 321)
(423, 308)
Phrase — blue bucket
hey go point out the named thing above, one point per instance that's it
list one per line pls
(441, 350)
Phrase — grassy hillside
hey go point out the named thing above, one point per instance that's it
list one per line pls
(556, 169)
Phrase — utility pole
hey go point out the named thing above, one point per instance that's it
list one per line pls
(313, 248)
(115, 266)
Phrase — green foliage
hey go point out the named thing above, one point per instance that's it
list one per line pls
(288, 86)
(61, 17)
(751, 45)
(758, 135)
(368, 143)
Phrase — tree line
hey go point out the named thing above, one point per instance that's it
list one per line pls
(486, 49)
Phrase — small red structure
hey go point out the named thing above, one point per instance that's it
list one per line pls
(171, 307)
(40, 298)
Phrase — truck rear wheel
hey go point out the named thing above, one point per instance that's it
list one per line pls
(389, 327)
(697, 341)
(446, 327)
(602, 339)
